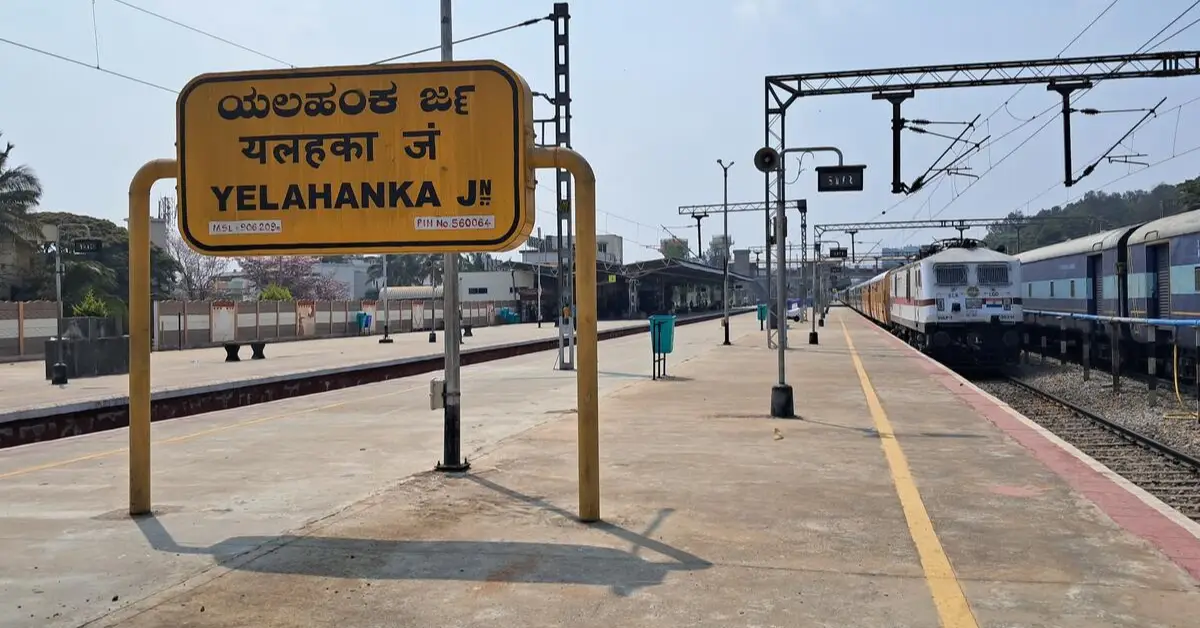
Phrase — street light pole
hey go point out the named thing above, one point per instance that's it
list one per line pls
(725, 277)
(58, 372)
(387, 339)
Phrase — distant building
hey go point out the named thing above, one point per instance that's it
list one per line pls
(474, 287)
(904, 251)
(352, 274)
(609, 250)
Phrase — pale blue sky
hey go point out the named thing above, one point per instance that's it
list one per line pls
(662, 88)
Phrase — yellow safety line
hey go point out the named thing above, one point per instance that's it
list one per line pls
(952, 607)
(194, 435)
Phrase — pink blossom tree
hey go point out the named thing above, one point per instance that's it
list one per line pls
(296, 273)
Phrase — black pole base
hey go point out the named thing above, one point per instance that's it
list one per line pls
(433, 336)
(820, 322)
(783, 405)
(386, 340)
(812, 338)
(58, 374)
(452, 468)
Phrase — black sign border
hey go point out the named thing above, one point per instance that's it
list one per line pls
(862, 178)
(479, 66)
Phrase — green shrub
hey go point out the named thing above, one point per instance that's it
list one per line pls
(275, 292)
(91, 306)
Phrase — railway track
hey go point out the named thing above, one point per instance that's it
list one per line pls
(1161, 470)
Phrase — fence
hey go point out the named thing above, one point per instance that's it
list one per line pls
(25, 326)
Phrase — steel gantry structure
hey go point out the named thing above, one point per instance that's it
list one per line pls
(561, 121)
(1062, 75)
(896, 85)
(800, 205)
(961, 224)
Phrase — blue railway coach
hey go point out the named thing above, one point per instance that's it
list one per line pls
(1141, 271)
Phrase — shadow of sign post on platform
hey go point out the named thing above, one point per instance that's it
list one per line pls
(623, 572)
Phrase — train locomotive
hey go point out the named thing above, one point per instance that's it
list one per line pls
(1149, 272)
(959, 302)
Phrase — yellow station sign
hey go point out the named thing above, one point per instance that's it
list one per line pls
(427, 157)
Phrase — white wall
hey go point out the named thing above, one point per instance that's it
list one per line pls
(494, 285)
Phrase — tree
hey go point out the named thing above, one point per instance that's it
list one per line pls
(91, 305)
(20, 192)
(106, 273)
(1095, 212)
(674, 248)
(197, 272)
(295, 273)
(275, 292)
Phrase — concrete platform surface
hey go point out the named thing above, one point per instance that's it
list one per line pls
(69, 553)
(892, 501)
(24, 388)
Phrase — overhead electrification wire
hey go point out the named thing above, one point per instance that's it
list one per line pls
(1003, 105)
(127, 77)
(87, 65)
(202, 32)
(1177, 109)
(464, 40)
(1144, 47)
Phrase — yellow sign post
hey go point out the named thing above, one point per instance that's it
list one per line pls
(392, 159)
(424, 157)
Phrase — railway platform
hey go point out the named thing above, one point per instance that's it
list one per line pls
(190, 382)
(901, 496)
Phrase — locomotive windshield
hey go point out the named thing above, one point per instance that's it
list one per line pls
(950, 274)
(993, 274)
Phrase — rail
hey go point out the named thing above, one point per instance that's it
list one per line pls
(1120, 430)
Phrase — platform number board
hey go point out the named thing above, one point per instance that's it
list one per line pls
(840, 178)
(837, 253)
(86, 246)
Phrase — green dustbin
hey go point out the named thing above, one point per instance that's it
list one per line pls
(662, 333)
(762, 311)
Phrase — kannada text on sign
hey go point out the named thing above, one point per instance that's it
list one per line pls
(421, 157)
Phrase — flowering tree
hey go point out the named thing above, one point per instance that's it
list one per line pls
(297, 274)
(197, 272)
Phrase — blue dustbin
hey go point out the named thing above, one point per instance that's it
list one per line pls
(662, 333)
(762, 311)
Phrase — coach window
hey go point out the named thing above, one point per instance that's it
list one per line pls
(918, 277)
(1052, 289)
(1196, 278)
(907, 285)
(1072, 288)
(1030, 289)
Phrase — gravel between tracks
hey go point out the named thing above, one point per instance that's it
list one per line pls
(1130, 408)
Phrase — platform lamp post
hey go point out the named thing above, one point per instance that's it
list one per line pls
(387, 339)
(783, 403)
(54, 233)
(725, 273)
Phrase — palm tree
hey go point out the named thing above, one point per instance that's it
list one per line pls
(20, 192)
